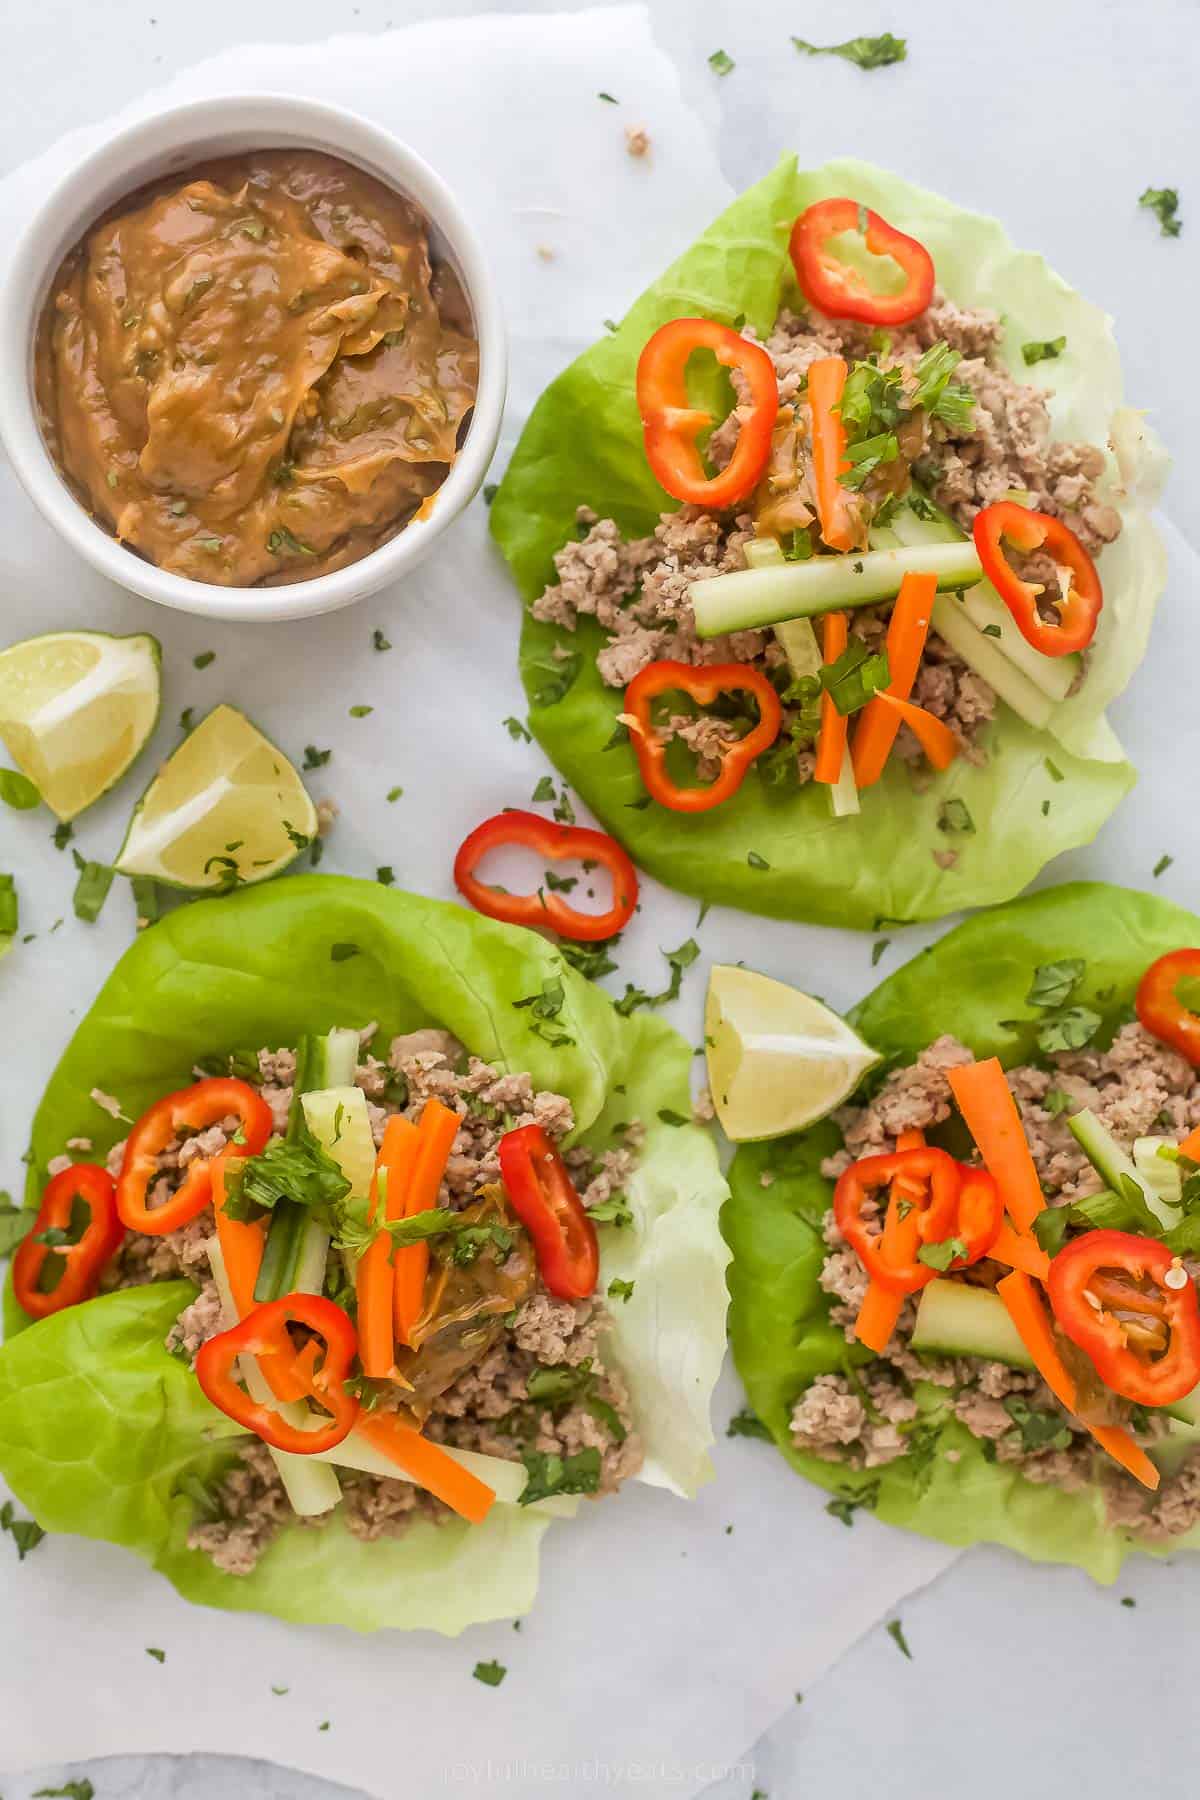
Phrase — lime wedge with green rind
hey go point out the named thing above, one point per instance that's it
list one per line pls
(777, 1058)
(76, 707)
(225, 809)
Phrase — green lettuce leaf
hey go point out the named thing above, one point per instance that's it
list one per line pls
(780, 1334)
(583, 444)
(99, 1424)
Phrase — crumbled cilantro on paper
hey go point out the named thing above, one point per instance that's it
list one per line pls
(865, 52)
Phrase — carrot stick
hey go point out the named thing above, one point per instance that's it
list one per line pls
(881, 1307)
(241, 1243)
(877, 1316)
(1020, 1250)
(1121, 1446)
(992, 1119)
(936, 740)
(428, 1464)
(831, 739)
(908, 629)
(1190, 1146)
(436, 1134)
(1032, 1321)
(826, 381)
(373, 1278)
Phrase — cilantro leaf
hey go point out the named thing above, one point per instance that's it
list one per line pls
(1044, 351)
(548, 1474)
(1164, 204)
(864, 52)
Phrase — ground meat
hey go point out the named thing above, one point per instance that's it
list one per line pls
(831, 1421)
(376, 1507)
(166, 1258)
(911, 1099)
(254, 1510)
(196, 1323)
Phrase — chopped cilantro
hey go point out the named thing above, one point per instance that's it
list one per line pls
(896, 1632)
(300, 1171)
(74, 1790)
(91, 890)
(518, 732)
(721, 63)
(1071, 1029)
(591, 960)
(620, 1290)
(669, 1116)
(1162, 865)
(490, 490)
(1044, 351)
(378, 641)
(360, 712)
(549, 1474)
(853, 677)
(1039, 1430)
(160, 1656)
(543, 792)
(878, 949)
(314, 758)
(26, 1534)
(748, 1424)
(756, 861)
(1053, 770)
(678, 961)
(954, 817)
(490, 1673)
(561, 672)
(1054, 983)
(1164, 203)
(545, 1007)
(611, 98)
(205, 657)
(186, 717)
(865, 52)
(282, 539)
(385, 875)
(343, 952)
(63, 835)
(394, 794)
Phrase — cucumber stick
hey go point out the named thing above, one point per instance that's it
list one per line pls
(506, 1479)
(311, 1486)
(297, 1247)
(750, 598)
(1162, 1173)
(985, 656)
(1053, 675)
(339, 1120)
(1111, 1163)
(843, 793)
(956, 1320)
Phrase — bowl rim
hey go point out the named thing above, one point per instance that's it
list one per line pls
(180, 136)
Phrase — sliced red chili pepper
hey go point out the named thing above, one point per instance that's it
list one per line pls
(672, 424)
(193, 1109)
(264, 1334)
(545, 1200)
(703, 683)
(556, 843)
(81, 1261)
(1131, 1307)
(1027, 530)
(924, 1208)
(1163, 1014)
(840, 290)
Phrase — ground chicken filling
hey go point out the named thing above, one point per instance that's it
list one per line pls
(637, 589)
(537, 1377)
(1136, 1087)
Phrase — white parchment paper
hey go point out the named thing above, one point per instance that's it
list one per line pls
(663, 1641)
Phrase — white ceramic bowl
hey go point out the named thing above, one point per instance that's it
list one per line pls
(176, 140)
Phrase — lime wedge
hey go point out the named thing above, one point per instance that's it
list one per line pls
(777, 1058)
(225, 809)
(75, 709)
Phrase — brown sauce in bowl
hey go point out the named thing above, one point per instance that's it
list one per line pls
(253, 373)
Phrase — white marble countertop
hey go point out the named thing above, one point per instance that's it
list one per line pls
(1080, 1688)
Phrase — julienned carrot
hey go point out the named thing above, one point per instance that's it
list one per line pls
(992, 1119)
(826, 381)
(428, 1464)
(908, 628)
(831, 740)
(936, 740)
(1190, 1146)
(241, 1243)
(1029, 1315)
(1020, 1250)
(881, 1307)
(373, 1278)
(1123, 1449)
(436, 1134)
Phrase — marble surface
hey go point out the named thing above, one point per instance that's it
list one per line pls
(1094, 100)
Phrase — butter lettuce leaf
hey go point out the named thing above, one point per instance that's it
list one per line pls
(101, 1429)
(583, 445)
(780, 1331)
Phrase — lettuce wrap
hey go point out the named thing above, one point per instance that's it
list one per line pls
(782, 853)
(102, 1431)
(781, 1335)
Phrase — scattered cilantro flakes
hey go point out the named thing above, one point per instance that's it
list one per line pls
(954, 817)
(490, 490)
(17, 791)
(280, 1690)
(721, 63)
(91, 890)
(314, 758)
(940, 1256)
(1045, 350)
(748, 1424)
(1164, 204)
(343, 952)
(844, 1507)
(324, 1725)
(669, 1116)
(360, 712)
(854, 676)
(205, 657)
(1162, 865)
(609, 324)
(591, 960)
(1054, 983)
(1071, 1029)
(74, 1790)
(895, 1631)
(992, 631)
(878, 949)
(1053, 770)
(518, 732)
(26, 1534)
(385, 875)
(561, 673)
(160, 1656)
(63, 835)
(620, 1290)
(864, 52)
(611, 98)
(282, 539)
(394, 794)
(544, 1008)
(378, 641)
(544, 791)
(678, 961)
(548, 1474)
(1128, 1600)
(186, 718)
(756, 861)
(490, 1673)
(1039, 1430)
